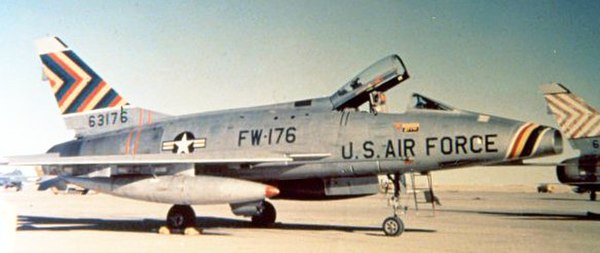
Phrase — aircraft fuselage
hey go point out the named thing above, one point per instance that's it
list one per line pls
(355, 143)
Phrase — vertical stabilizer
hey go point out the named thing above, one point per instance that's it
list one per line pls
(578, 121)
(88, 104)
(76, 87)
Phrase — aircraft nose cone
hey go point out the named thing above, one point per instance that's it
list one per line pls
(271, 191)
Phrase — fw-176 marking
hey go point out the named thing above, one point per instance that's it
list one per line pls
(242, 157)
(270, 136)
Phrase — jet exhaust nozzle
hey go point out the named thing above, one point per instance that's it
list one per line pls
(532, 140)
(551, 143)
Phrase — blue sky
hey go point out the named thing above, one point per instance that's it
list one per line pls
(186, 56)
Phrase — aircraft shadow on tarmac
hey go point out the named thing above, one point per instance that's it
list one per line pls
(41, 223)
(566, 199)
(589, 216)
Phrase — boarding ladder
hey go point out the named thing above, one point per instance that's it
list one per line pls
(417, 185)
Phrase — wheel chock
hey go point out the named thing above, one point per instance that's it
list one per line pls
(192, 231)
(163, 230)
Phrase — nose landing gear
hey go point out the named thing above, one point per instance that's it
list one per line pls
(393, 225)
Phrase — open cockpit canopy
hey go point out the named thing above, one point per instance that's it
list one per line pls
(376, 79)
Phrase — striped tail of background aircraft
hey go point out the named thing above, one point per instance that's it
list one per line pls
(580, 123)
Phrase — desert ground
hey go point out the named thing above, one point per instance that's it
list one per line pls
(470, 219)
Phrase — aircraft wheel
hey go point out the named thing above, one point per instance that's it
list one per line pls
(181, 217)
(392, 226)
(593, 196)
(266, 216)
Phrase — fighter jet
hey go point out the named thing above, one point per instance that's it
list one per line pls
(580, 123)
(13, 179)
(322, 148)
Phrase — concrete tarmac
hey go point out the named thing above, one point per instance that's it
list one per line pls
(494, 220)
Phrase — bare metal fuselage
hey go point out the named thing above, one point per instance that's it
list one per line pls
(336, 144)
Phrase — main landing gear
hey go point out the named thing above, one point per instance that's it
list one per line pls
(593, 195)
(180, 218)
(393, 225)
(266, 215)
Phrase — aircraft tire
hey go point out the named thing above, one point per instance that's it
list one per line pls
(181, 217)
(593, 196)
(266, 217)
(392, 226)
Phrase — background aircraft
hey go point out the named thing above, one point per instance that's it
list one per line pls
(322, 148)
(580, 124)
(13, 179)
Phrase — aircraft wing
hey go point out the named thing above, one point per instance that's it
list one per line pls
(141, 159)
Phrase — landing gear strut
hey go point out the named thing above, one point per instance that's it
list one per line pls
(266, 215)
(593, 195)
(181, 217)
(393, 225)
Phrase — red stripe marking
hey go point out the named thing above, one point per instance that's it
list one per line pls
(128, 144)
(137, 139)
(72, 73)
(91, 96)
(115, 101)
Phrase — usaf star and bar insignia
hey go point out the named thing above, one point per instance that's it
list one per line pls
(184, 143)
